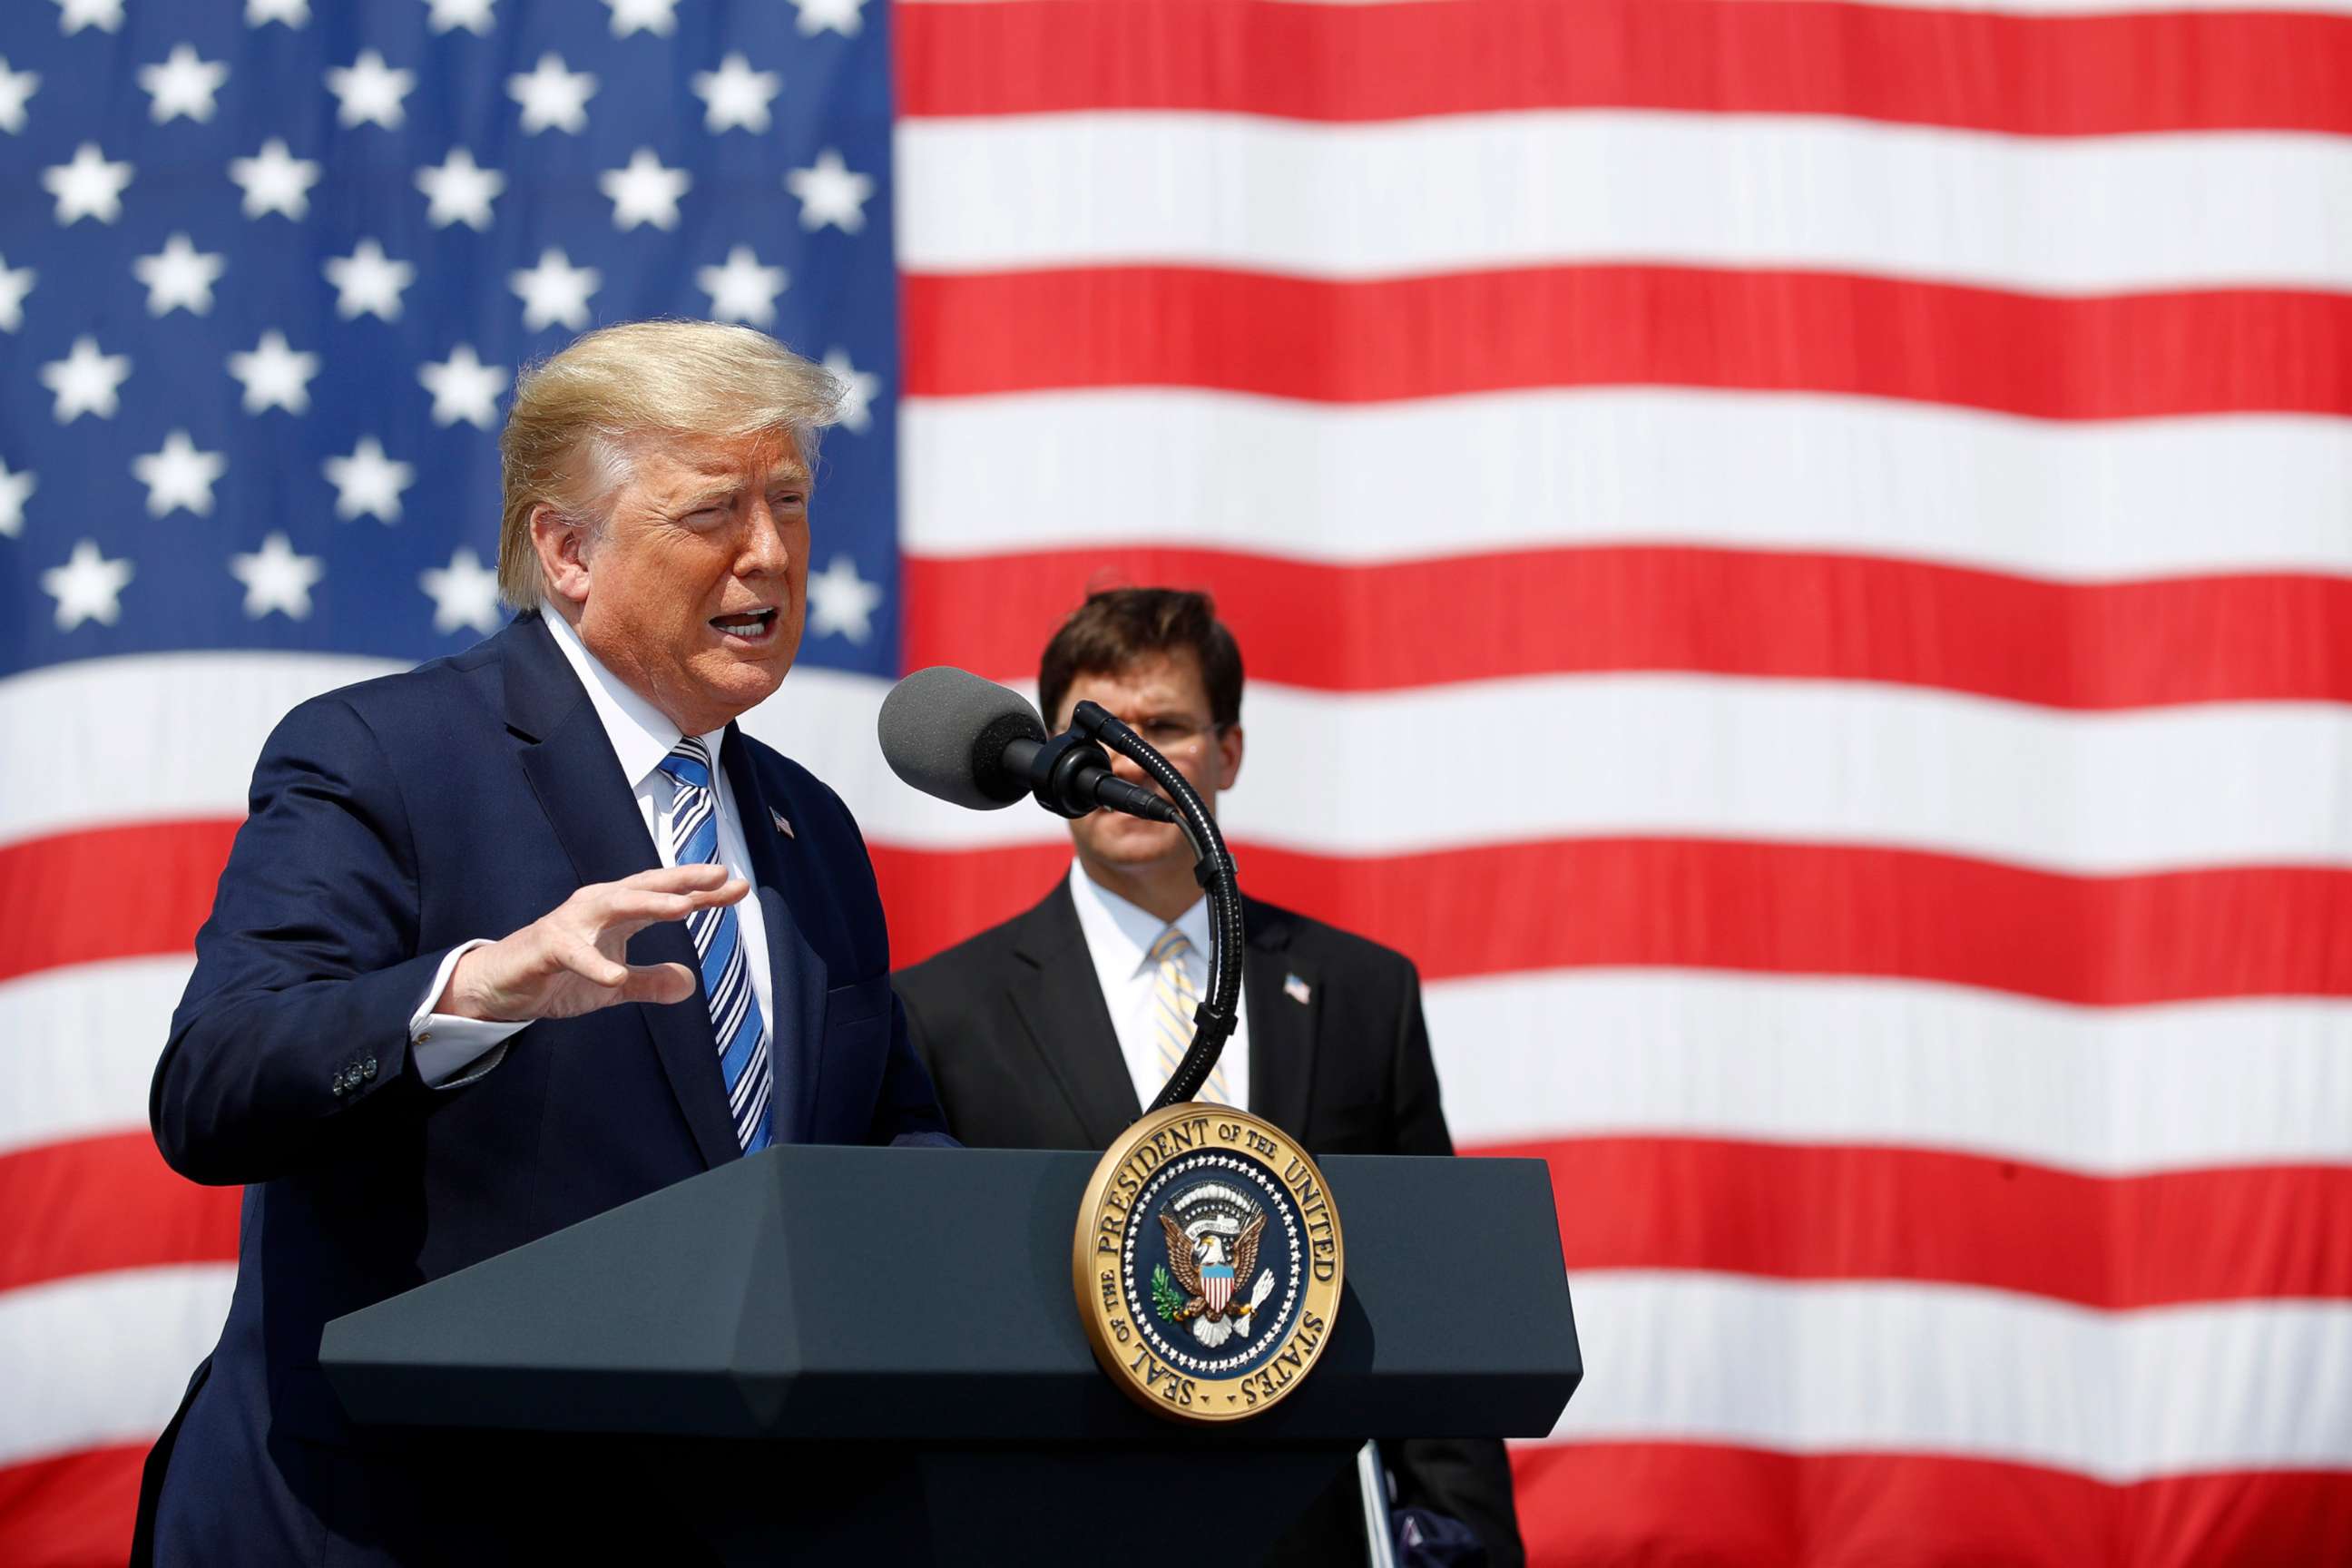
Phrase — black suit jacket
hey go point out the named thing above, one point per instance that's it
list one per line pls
(389, 822)
(1020, 1045)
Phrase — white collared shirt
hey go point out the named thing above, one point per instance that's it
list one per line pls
(448, 1050)
(1119, 939)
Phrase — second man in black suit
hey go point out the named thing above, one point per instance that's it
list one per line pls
(1056, 1029)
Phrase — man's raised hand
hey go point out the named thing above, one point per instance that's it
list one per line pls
(572, 960)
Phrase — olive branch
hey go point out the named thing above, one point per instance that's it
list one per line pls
(1166, 1299)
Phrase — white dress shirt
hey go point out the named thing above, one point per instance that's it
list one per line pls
(1118, 938)
(447, 1051)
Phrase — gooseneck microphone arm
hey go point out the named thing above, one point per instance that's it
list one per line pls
(1212, 868)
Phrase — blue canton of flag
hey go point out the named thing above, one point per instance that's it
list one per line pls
(267, 272)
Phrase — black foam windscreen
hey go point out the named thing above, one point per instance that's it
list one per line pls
(944, 731)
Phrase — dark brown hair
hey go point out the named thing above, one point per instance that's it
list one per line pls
(1117, 627)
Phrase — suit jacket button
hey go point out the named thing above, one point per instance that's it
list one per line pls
(367, 1068)
(339, 1086)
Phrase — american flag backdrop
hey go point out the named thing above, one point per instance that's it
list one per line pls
(1796, 556)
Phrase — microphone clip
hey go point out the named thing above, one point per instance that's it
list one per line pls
(1057, 768)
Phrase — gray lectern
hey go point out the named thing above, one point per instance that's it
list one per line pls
(882, 1345)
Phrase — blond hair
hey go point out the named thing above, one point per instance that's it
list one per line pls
(578, 416)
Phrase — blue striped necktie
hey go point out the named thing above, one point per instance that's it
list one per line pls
(735, 1022)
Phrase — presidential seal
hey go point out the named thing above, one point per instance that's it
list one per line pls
(1208, 1262)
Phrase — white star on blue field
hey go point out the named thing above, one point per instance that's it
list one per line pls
(283, 263)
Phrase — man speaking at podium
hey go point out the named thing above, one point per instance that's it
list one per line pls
(1057, 1028)
(518, 936)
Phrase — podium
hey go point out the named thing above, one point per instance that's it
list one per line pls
(883, 1342)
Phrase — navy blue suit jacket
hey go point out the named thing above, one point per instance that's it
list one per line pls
(389, 822)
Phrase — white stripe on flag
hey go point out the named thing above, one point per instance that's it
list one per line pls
(179, 734)
(1583, 1053)
(1536, 470)
(1466, 192)
(1649, 754)
(1803, 1059)
(1878, 1366)
(1617, 755)
(78, 1047)
(103, 1358)
(1670, 755)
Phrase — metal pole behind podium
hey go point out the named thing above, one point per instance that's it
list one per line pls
(1372, 1483)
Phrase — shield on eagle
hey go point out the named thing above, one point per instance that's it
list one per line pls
(1217, 1284)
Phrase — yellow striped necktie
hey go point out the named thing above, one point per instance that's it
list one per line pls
(1174, 998)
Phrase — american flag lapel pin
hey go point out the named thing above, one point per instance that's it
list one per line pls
(1297, 989)
(783, 824)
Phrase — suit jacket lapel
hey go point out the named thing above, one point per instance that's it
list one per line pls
(798, 976)
(568, 760)
(1061, 1005)
(1282, 1029)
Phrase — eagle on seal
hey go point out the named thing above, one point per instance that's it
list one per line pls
(1208, 1274)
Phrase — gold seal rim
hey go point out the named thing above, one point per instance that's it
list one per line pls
(1319, 1299)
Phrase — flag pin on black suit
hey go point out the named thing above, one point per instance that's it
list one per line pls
(1295, 988)
(783, 824)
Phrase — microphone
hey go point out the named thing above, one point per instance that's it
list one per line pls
(949, 734)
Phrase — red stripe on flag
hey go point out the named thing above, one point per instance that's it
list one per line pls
(2126, 356)
(1606, 1502)
(72, 1511)
(1838, 617)
(1815, 1212)
(936, 898)
(108, 1202)
(2055, 76)
(1799, 908)
(109, 892)
(1812, 908)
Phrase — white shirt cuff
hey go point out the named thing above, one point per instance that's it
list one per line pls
(447, 1051)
